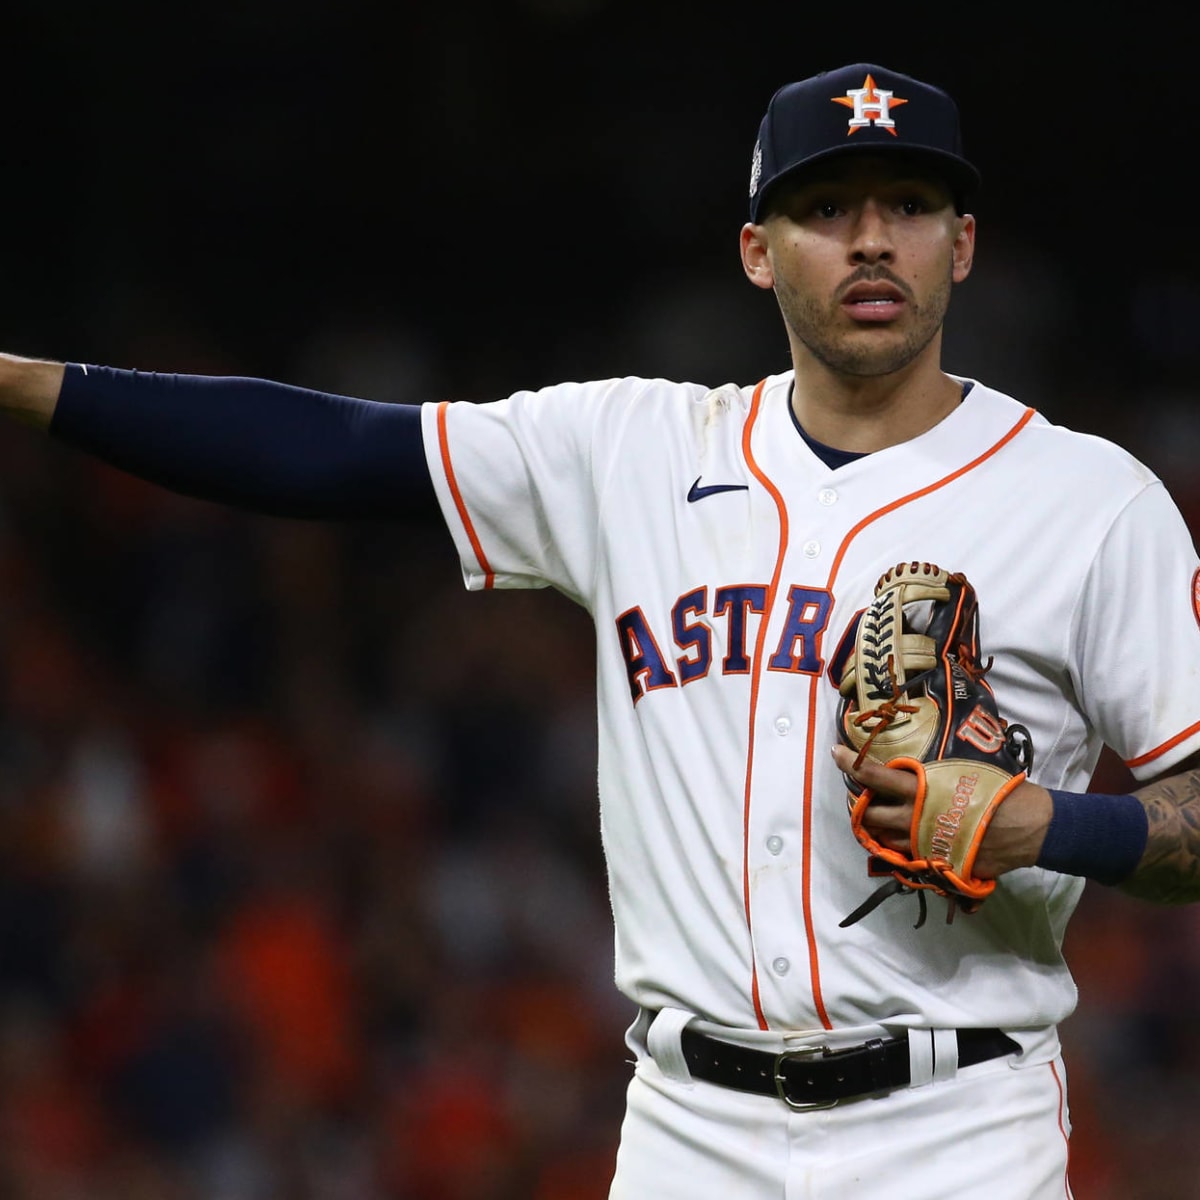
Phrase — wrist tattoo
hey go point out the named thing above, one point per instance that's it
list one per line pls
(1169, 872)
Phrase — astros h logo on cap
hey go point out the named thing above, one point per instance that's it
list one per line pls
(806, 123)
(872, 106)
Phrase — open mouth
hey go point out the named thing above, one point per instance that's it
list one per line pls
(882, 307)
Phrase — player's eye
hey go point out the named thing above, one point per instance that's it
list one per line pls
(913, 206)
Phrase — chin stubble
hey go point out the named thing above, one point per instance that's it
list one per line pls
(813, 324)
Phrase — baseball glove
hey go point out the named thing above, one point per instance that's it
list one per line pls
(914, 696)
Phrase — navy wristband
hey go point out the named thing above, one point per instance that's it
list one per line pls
(1099, 836)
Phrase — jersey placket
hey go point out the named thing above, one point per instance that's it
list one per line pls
(788, 726)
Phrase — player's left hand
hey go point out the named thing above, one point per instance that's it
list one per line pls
(1013, 838)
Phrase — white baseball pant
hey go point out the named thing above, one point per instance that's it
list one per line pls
(994, 1130)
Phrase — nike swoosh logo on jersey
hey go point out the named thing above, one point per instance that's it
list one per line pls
(696, 492)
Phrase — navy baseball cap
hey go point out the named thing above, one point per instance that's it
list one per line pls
(857, 109)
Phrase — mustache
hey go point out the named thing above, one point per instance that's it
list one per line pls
(872, 274)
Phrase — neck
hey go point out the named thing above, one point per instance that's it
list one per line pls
(864, 414)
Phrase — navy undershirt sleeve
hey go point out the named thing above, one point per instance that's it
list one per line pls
(268, 447)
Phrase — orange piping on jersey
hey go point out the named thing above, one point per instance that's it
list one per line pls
(1150, 755)
(489, 580)
(814, 966)
(755, 678)
(1062, 1128)
(814, 963)
(1026, 417)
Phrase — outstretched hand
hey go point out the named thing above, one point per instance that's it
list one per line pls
(1013, 839)
(29, 389)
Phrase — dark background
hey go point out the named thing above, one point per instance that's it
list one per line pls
(528, 190)
(300, 888)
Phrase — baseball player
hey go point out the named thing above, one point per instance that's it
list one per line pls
(726, 539)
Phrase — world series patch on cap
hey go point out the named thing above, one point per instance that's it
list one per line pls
(859, 108)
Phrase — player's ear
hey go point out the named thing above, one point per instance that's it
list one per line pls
(964, 247)
(756, 257)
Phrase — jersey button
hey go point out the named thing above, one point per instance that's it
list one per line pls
(781, 966)
(774, 843)
(783, 725)
(827, 496)
(812, 549)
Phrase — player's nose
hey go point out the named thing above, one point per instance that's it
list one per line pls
(871, 239)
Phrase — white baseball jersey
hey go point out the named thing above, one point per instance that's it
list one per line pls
(722, 562)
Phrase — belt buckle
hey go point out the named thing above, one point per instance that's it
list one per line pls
(781, 1081)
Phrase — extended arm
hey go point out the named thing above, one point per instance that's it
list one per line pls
(1091, 835)
(252, 443)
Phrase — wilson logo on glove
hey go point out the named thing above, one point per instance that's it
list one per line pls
(947, 823)
(919, 701)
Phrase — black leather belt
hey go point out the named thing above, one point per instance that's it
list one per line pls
(817, 1077)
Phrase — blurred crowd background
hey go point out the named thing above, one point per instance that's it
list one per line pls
(301, 895)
